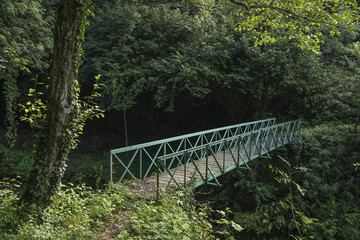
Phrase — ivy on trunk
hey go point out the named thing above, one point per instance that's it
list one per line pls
(58, 129)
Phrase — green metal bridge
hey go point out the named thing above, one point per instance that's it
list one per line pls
(201, 157)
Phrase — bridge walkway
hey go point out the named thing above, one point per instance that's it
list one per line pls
(214, 166)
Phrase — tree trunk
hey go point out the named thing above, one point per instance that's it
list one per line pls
(125, 128)
(53, 142)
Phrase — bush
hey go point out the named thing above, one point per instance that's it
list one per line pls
(8, 212)
(333, 197)
(172, 217)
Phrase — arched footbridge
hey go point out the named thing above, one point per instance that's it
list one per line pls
(201, 157)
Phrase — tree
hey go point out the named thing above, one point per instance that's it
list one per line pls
(130, 44)
(62, 121)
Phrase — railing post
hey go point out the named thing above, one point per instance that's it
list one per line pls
(186, 156)
(250, 148)
(206, 165)
(141, 162)
(216, 146)
(238, 155)
(276, 137)
(157, 178)
(164, 151)
(224, 155)
(260, 137)
(288, 133)
(201, 143)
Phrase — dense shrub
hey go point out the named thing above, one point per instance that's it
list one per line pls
(333, 197)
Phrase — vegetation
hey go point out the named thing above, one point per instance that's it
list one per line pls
(313, 195)
(163, 68)
(81, 213)
(170, 217)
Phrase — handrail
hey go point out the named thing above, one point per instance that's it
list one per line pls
(221, 141)
(139, 160)
(171, 139)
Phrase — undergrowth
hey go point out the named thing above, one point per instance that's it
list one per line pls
(170, 217)
(92, 169)
(78, 212)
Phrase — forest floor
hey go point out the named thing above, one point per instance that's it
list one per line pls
(143, 188)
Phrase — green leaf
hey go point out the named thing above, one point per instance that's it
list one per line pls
(237, 227)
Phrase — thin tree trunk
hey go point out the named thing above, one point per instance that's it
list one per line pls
(125, 129)
(54, 141)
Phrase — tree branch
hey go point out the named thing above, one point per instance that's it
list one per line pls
(271, 6)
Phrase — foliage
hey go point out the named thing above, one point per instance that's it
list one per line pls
(330, 151)
(171, 217)
(229, 225)
(89, 169)
(356, 166)
(25, 28)
(10, 91)
(25, 43)
(76, 213)
(334, 97)
(8, 210)
(300, 20)
(35, 109)
(328, 209)
(175, 55)
(127, 42)
(285, 175)
(15, 162)
(279, 214)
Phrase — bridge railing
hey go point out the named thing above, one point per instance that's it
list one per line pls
(207, 162)
(139, 161)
